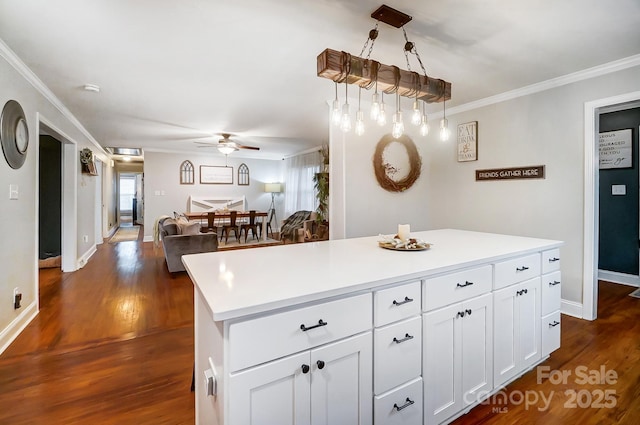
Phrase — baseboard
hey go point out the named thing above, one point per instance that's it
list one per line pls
(571, 308)
(82, 261)
(621, 278)
(11, 332)
(147, 238)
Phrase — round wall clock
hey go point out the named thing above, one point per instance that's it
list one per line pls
(14, 134)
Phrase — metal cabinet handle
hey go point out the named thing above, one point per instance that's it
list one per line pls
(554, 324)
(468, 311)
(461, 314)
(407, 337)
(466, 283)
(305, 368)
(406, 300)
(554, 283)
(407, 403)
(553, 260)
(320, 323)
(524, 291)
(521, 269)
(320, 364)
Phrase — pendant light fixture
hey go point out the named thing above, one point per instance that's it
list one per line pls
(398, 126)
(359, 116)
(444, 123)
(342, 67)
(345, 121)
(424, 126)
(335, 110)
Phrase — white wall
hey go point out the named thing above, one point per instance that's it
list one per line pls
(368, 208)
(545, 128)
(19, 226)
(162, 174)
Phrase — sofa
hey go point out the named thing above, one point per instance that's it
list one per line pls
(181, 238)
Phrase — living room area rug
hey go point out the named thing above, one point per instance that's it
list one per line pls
(124, 234)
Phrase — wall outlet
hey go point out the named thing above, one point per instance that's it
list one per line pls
(85, 238)
(17, 298)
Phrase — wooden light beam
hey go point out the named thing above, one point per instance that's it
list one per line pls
(341, 66)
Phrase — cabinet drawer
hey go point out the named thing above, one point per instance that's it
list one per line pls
(551, 260)
(451, 288)
(266, 338)
(551, 296)
(516, 270)
(397, 354)
(550, 330)
(397, 303)
(401, 406)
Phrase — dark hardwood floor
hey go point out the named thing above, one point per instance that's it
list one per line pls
(113, 344)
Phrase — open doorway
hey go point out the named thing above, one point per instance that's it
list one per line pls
(592, 110)
(130, 198)
(50, 203)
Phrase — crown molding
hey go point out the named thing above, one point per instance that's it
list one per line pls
(585, 74)
(13, 60)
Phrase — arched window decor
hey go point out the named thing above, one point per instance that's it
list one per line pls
(243, 175)
(186, 173)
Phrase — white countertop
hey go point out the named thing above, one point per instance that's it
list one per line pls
(249, 281)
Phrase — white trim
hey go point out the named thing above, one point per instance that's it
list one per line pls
(621, 278)
(82, 261)
(17, 325)
(572, 308)
(590, 225)
(574, 77)
(31, 77)
(147, 239)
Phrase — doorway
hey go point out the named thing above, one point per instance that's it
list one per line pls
(50, 202)
(592, 111)
(130, 198)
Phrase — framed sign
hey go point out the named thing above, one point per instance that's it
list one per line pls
(614, 148)
(468, 141)
(210, 174)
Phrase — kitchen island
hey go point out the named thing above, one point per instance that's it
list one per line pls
(344, 332)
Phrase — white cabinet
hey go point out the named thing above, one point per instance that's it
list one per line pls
(400, 406)
(516, 335)
(551, 301)
(327, 385)
(457, 357)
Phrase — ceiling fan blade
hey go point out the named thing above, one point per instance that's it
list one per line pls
(247, 147)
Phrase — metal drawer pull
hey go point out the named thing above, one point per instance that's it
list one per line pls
(468, 311)
(554, 283)
(305, 368)
(461, 314)
(407, 337)
(320, 364)
(554, 324)
(406, 300)
(553, 260)
(466, 283)
(407, 403)
(524, 291)
(320, 323)
(521, 269)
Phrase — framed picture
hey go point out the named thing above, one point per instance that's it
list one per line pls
(468, 141)
(210, 174)
(615, 149)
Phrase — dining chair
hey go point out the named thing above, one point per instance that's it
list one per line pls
(250, 225)
(210, 227)
(231, 226)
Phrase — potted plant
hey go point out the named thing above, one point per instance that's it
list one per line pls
(321, 186)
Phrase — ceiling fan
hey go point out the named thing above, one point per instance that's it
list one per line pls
(226, 145)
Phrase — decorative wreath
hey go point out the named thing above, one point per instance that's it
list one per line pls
(383, 170)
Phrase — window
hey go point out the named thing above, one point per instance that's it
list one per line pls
(243, 175)
(299, 189)
(127, 192)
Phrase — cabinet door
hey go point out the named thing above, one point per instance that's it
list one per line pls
(516, 333)
(529, 323)
(441, 367)
(477, 349)
(341, 382)
(274, 393)
(504, 335)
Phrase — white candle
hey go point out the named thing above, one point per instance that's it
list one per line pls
(403, 232)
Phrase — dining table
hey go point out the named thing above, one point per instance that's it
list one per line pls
(226, 215)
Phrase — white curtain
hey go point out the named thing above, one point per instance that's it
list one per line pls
(299, 191)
